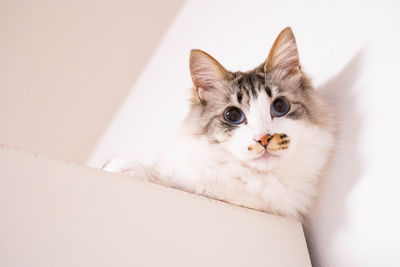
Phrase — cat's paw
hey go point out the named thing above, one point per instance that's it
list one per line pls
(278, 142)
(117, 164)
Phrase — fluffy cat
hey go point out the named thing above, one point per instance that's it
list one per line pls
(258, 139)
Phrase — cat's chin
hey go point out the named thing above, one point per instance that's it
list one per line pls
(264, 162)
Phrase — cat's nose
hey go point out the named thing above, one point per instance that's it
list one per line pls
(264, 140)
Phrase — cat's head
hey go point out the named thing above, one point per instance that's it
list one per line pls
(260, 116)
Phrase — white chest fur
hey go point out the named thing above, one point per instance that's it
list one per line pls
(192, 164)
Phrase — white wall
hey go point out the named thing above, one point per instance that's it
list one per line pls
(351, 49)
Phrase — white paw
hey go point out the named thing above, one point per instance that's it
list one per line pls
(117, 164)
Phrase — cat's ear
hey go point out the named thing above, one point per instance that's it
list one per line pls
(207, 73)
(284, 56)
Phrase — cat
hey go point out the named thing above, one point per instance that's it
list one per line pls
(258, 139)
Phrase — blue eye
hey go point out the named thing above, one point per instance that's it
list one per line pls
(280, 107)
(233, 115)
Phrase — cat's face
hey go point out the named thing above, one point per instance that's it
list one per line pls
(259, 116)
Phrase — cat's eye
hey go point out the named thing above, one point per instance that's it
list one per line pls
(280, 107)
(233, 115)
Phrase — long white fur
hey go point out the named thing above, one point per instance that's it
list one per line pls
(284, 185)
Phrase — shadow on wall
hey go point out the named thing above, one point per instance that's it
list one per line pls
(345, 169)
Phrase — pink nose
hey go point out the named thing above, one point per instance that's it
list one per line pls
(264, 140)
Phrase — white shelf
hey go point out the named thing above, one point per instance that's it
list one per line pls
(56, 213)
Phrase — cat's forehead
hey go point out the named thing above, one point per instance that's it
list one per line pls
(250, 85)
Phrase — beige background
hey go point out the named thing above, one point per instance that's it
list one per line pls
(66, 66)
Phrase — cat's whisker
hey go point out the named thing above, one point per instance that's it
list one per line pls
(338, 153)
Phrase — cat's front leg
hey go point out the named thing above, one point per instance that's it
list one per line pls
(131, 168)
(117, 164)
